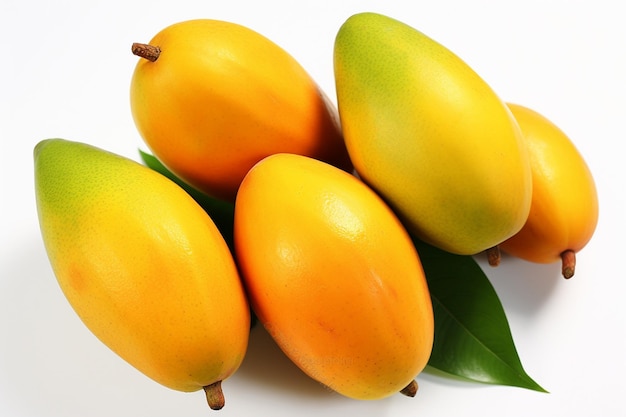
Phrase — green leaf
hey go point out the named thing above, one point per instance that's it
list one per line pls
(222, 212)
(472, 335)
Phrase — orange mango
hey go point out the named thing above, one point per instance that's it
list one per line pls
(143, 266)
(212, 98)
(333, 276)
(564, 208)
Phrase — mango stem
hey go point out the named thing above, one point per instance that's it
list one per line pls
(214, 395)
(149, 52)
(410, 390)
(493, 255)
(568, 258)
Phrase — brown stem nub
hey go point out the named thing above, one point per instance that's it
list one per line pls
(410, 390)
(214, 395)
(493, 255)
(568, 258)
(149, 52)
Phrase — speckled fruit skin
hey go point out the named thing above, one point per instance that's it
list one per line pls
(427, 133)
(142, 265)
(564, 210)
(333, 276)
(220, 97)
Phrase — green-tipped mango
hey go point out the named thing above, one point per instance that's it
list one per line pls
(143, 266)
(430, 135)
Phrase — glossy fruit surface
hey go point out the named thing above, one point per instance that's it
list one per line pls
(142, 265)
(426, 132)
(333, 276)
(564, 210)
(220, 97)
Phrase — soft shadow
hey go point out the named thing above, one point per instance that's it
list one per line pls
(276, 376)
(522, 286)
(29, 299)
(266, 364)
(435, 376)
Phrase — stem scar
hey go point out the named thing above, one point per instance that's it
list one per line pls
(143, 50)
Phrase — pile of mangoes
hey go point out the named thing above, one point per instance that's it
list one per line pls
(327, 201)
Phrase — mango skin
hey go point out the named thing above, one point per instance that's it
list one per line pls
(333, 276)
(564, 210)
(426, 132)
(221, 97)
(143, 266)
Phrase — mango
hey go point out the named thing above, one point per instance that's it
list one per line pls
(333, 276)
(564, 209)
(211, 98)
(430, 135)
(143, 266)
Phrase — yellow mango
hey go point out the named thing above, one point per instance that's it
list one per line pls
(333, 276)
(564, 209)
(143, 266)
(430, 135)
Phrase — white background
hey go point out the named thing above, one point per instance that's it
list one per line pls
(65, 72)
